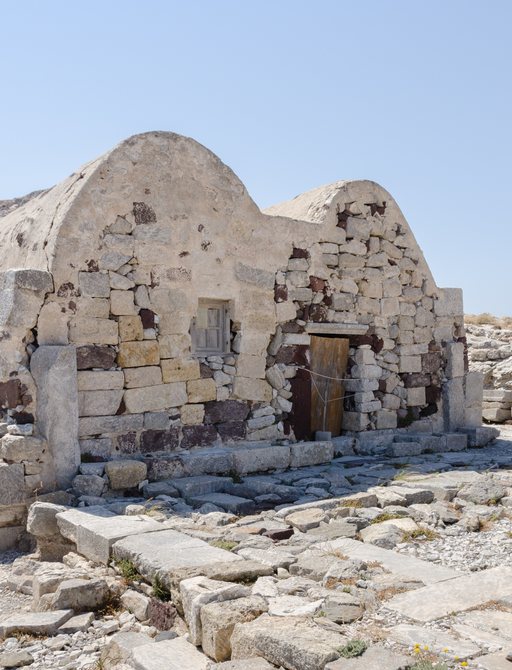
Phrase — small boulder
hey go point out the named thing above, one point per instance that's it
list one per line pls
(125, 474)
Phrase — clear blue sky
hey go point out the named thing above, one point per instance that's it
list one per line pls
(291, 94)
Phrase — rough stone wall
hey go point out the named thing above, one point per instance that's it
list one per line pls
(132, 243)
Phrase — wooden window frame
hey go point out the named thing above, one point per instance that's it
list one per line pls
(225, 329)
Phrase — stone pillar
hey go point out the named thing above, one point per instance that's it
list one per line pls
(54, 371)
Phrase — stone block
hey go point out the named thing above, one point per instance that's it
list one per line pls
(52, 325)
(310, 453)
(138, 354)
(94, 540)
(291, 642)
(192, 415)
(377, 657)
(167, 552)
(55, 374)
(199, 591)
(251, 366)
(99, 403)
(94, 284)
(35, 623)
(198, 436)
(93, 380)
(453, 404)
(416, 397)
(155, 398)
(410, 363)
(387, 419)
(17, 448)
(122, 303)
(95, 356)
(130, 328)
(364, 371)
(251, 275)
(180, 370)
(125, 474)
(12, 483)
(449, 302)
(79, 595)
(42, 521)
(110, 424)
(93, 331)
(260, 458)
(226, 501)
(218, 620)
(146, 376)
(454, 352)
(201, 390)
(226, 411)
(175, 654)
(355, 421)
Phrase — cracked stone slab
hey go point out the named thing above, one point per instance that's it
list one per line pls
(166, 552)
(375, 658)
(437, 641)
(38, 623)
(176, 654)
(456, 595)
(399, 564)
(497, 661)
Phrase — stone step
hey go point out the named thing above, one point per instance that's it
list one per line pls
(35, 623)
(399, 564)
(228, 502)
(243, 459)
(456, 595)
(95, 532)
(190, 487)
(176, 654)
(167, 552)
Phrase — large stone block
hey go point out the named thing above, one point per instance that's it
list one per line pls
(180, 370)
(122, 303)
(454, 360)
(260, 458)
(155, 398)
(225, 410)
(52, 325)
(17, 448)
(93, 380)
(176, 654)
(93, 331)
(138, 354)
(292, 642)
(12, 483)
(130, 328)
(125, 474)
(146, 376)
(99, 403)
(110, 424)
(95, 356)
(94, 284)
(54, 371)
(250, 275)
(201, 390)
(256, 390)
(453, 404)
(449, 302)
(199, 591)
(310, 453)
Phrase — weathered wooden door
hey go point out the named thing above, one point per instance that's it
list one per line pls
(329, 357)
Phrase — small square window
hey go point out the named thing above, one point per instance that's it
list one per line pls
(210, 328)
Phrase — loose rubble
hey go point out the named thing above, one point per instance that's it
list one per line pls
(390, 561)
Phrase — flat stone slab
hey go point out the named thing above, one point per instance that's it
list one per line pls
(438, 641)
(456, 595)
(399, 564)
(487, 626)
(167, 551)
(375, 658)
(177, 654)
(95, 537)
(39, 623)
(228, 502)
(496, 661)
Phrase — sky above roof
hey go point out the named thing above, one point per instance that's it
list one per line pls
(291, 95)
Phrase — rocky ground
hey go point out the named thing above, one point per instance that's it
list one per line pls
(375, 562)
(490, 352)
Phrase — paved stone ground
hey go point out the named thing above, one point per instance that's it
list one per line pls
(409, 555)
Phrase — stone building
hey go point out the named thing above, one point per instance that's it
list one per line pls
(148, 306)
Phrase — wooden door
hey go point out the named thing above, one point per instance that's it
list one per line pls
(329, 357)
